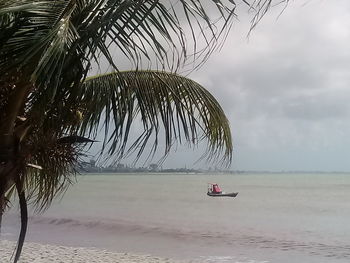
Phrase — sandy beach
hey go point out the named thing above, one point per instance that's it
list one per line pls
(39, 253)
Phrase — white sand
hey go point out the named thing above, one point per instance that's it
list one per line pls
(38, 253)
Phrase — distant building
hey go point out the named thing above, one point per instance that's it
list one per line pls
(153, 167)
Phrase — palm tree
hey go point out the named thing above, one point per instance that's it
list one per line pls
(49, 105)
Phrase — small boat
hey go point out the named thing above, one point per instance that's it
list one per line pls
(214, 190)
(223, 194)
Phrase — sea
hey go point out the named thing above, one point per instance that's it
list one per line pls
(276, 217)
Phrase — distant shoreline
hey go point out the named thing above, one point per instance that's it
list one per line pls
(93, 167)
(204, 172)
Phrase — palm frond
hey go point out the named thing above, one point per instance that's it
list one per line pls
(178, 105)
(25, 31)
(58, 162)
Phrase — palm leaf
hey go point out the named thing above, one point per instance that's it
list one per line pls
(167, 101)
(58, 162)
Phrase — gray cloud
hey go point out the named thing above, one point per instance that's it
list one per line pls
(285, 89)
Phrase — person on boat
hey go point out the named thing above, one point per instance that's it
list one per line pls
(216, 189)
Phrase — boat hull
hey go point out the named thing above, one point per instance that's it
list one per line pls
(223, 194)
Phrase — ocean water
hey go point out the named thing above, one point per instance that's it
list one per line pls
(277, 218)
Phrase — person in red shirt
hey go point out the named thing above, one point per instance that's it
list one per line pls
(216, 189)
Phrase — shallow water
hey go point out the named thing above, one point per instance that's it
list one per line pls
(275, 218)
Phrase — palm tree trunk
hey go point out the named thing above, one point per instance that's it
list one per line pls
(8, 142)
(8, 138)
(24, 219)
(12, 109)
(2, 201)
(7, 173)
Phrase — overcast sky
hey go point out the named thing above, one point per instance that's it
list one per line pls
(285, 89)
